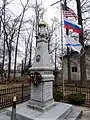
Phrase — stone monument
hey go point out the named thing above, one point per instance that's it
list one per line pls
(41, 105)
(42, 95)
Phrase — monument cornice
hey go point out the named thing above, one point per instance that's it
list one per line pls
(41, 69)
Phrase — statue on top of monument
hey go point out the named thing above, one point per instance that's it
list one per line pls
(43, 33)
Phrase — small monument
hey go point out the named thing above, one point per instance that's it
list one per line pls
(41, 105)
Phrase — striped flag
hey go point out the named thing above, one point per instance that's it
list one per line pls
(68, 12)
(73, 44)
(71, 25)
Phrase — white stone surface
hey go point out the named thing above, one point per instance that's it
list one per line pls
(3, 116)
(41, 106)
(42, 92)
(36, 92)
(60, 111)
(42, 50)
(47, 91)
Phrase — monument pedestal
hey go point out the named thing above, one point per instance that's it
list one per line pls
(59, 112)
(42, 95)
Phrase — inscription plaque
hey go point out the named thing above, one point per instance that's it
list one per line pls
(48, 91)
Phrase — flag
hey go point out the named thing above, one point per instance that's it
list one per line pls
(70, 25)
(68, 12)
(73, 44)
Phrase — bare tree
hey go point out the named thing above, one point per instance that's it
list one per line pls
(4, 4)
(26, 50)
(18, 34)
(31, 41)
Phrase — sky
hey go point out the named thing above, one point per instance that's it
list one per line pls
(50, 11)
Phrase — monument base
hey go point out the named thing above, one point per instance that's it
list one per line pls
(41, 106)
(58, 112)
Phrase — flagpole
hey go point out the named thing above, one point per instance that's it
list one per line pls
(62, 78)
(68, 52)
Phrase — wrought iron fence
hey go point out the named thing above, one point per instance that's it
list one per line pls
(22, 93)
(75, 88)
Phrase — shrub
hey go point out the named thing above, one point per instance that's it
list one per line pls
(57, 95)
(76, 98)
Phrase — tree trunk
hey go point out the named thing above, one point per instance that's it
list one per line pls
(81, 40)
(22, 69)
(37, 21)
(55, 62)
(26, 48)
(24, 9)
(9, 65)
(4, 42)
(30, 64)
(68, 65)
(9, 53)
(49, 43)
(17, 43)
(30, 59)
(25, 55)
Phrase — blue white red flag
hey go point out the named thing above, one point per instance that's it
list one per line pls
(70, 25)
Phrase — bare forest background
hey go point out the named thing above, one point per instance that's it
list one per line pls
(18, 34)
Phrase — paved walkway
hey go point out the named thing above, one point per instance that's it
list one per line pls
(3, 116)
(85, 114)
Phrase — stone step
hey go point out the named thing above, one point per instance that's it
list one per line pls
(3, 116)
(75, 114)
(60, 111)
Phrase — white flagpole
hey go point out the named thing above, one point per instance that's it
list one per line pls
(62, 78)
